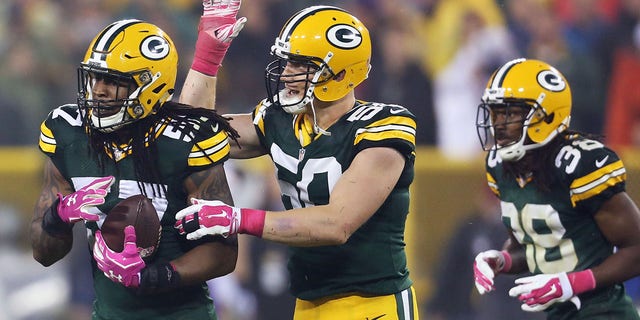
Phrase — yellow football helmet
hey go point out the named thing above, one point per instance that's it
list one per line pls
(327, 40)
(537, 87)
(138, 57)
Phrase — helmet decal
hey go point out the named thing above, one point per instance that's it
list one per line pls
(296, 19)
(498, 78)
(551, 81)
(105, 39)
(154, 47)
(344, 36)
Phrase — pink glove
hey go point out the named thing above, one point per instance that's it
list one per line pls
(216, 218)
(540, 291)
(218, 27)
(487, 265)
(73, 207)
(123, 267)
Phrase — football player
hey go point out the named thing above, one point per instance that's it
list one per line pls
(344, 167)
(125, 137)
(563, 200)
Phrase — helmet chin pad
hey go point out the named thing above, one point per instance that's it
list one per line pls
(110, 123)
(294, 105)
(511, 153)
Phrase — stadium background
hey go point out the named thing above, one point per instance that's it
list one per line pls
(42, 41)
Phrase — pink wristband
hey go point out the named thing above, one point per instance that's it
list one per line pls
(582, 281)
(252, 222)
(209, 50)
(507, 261)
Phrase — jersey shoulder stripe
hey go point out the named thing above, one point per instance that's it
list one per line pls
(590, 169)
(493, 185)
(214, 149)
(597, 181)
(210, 144)
(379, 124)
(63, 116)
(47, 141)
(391, 127)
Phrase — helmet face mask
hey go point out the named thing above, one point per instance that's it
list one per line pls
(503, 126)
(108, 115)
(140, 61)
(526, 104)
(328, 41)
(294, 90)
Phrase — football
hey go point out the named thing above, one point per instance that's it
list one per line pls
(139, 212)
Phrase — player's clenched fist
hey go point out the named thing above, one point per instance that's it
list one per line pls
(487, 265)
(122, 267)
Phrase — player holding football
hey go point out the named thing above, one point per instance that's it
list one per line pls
(125, 137)
(344, 167)
(563, 201)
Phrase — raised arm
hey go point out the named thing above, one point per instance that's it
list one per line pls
(217, 28)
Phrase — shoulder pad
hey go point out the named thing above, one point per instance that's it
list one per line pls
(377, 123)
(590, 167)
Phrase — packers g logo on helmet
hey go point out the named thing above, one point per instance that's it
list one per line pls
(344, 36)
(131, 52)
(155, 48)
(551, 80)
(531, 84)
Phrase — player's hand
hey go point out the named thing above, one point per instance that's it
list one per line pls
(219, 16)
(539, 292)
(218, 27)
(74, 207)
(217, 218)
(486, 266)
(122, 267)
(208, 218)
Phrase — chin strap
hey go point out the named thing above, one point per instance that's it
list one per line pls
(316, 127)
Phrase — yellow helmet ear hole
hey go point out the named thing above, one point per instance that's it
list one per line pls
(549, 118)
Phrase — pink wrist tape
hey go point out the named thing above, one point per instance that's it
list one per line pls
(252, 222)
(209, 50)
(582, 281)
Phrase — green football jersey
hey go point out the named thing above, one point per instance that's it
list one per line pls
(556, 226)
(64, 140)
(373, 260)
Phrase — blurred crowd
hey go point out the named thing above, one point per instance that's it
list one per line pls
(432, 56)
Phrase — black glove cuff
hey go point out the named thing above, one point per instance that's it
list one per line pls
(157, 278)
(53, 225)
